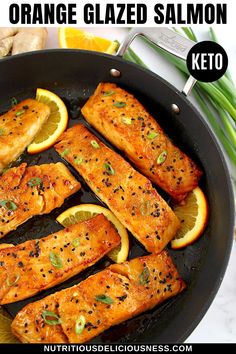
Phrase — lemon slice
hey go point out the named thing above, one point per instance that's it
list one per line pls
(78, 39)
(54, 126)
(87, 211)
(6, 335)
(193, 215)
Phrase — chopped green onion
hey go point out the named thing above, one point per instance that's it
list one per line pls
(119, 104)
(95, 144)
(109, 169)
(104, 298)
(76, 242)
(144, 208)
(80, 324)
(162, 157)
(2, 131)
(8, 204)
(56, 260)
(144, 276)
(33, 182)
(12, 280)
(108, 93)
(20, 112)
(46, 315)
(152, 135)
(65, 152)
(127, 121)
(79, 160)
(14, 101)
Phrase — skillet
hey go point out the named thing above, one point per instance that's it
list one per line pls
(74, 75)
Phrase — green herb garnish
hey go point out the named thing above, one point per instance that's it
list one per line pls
(50, 318)
(144, 276)
(109, 169)
(35, 181)
(2, 131)
(80, 324)
(75, 242)
(56, 260)
(152, 135)
(78, 160)
(108, 93)
(65, 152)
(95, 144)
(13, 280)
(8, 204)
(104, 298)
(119, 104)
(127, 121)
(14, 101)
(162, 157)
(20, 112)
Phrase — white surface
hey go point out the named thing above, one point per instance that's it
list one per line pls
(219, 323)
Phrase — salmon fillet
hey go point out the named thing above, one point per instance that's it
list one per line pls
(36, 265)
(123, 120)
(18, 127)
(128, 194)
(35, 190)
(105, 299)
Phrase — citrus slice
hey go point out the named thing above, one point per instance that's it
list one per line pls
(77, 39)
(87, 211)
(54, 126)
(6, 335)
(193, 215)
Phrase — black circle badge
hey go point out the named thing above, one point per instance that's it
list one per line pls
(207, 61)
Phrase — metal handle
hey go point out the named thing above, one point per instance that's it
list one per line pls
(166, 39)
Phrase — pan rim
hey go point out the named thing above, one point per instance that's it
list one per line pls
(228, 182)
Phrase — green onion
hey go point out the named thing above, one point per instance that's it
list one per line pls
(80, 324)
(104, 298)
(2, 131)
(95, 144)
(108, 93)
(33, 182)
(109, 169)
(20, 112)
(8, 204)
(152, 135)
(127, 121)
(12, 280)
(119, 104)
(162, 157)
(75, 242)
(144, 276)
(14, 101)
(65, 152)
(79, 160)
(50, 318)
(56, 260)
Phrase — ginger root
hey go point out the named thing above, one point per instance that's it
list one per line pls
(6, 46)
(6, 32)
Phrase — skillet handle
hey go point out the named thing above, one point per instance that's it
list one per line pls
(166, 39)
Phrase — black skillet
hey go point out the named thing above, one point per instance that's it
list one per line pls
(74, 75)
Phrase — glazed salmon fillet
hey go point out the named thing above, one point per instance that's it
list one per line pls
(105, 299)
(18, 127)
(35, 190)
(128, 194)
(36, 265)
(123, 120)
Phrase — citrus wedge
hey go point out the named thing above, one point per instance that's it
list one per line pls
(6, 335)
(87, 211)
(54, 126)
(193, 215)
(77, 39)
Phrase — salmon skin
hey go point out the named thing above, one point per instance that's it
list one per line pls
(35, 190)
(123, 120)
(128, 194)
(105, 299)
(36, 265)
(18, 127)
